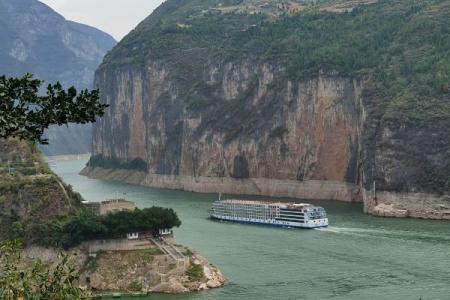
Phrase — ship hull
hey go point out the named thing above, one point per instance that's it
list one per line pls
(321, 223)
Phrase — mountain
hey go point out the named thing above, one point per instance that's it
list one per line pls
(35, 39)
(343, 100)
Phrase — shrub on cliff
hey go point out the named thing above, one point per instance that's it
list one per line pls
(136, 164)
(32, 205)
(195, 272)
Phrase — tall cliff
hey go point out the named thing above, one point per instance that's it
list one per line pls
(35, 39)
(344, 100)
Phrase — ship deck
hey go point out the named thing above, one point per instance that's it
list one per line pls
(257, 202)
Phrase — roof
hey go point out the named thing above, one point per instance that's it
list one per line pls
(255, 202)
(116, 201)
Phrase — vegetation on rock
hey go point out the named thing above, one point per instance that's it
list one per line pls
(32, 197)
(135, 286)
(401, 44)
(195, 272)
(136, 164)
(38, 282)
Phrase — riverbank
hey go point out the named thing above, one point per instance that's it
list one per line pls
(383, 204)
(308, 189)
(83, 156)
(407, 205)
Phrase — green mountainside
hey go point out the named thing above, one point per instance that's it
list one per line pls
(32, 198)
(403, 45)
(351, 91)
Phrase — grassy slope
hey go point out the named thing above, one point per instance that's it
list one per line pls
(33, 198)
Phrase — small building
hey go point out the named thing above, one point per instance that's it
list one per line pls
(109, 206)
(133, 236)
(165, 232)
(143, 235)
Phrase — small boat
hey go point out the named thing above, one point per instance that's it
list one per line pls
(117, 295)
(138, 294)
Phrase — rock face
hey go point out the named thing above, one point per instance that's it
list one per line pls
(310, 146)
(35, 39)
(312, 133)
(221, 119)
(149, 270)
(135, 270)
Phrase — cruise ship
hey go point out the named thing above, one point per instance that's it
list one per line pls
(300, 215)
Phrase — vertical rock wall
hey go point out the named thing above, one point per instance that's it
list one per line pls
(250, 124)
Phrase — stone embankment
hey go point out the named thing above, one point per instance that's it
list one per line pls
(402, 205)
(52, 158)
(308, 189)
(137, 266)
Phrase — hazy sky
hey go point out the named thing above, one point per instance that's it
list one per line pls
(116, 17)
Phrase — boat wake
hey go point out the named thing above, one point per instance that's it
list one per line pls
(352, 230)
(382, 233)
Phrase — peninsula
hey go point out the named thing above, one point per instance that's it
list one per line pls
(116, 246)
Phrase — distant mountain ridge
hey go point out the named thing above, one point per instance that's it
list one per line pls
(36, 39)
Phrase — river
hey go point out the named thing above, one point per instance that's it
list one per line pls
(357, 257)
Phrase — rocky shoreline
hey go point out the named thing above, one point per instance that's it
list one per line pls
(66, 157)
(384, 204)
(407, 205)
(145, 269)
(308, 189)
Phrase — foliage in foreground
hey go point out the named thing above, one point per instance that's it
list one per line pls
(25, 114)
(37, 282)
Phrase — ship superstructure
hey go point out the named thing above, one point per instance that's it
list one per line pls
(300, 215)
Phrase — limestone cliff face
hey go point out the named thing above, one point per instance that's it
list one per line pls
(307, 130)
(206, 100)
(252, 134)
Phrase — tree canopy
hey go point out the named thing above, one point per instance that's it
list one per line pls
(26, 111)
(88, 226)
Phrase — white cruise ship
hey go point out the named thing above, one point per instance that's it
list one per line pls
(299, 215)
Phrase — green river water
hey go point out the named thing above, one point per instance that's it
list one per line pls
(357, 257)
